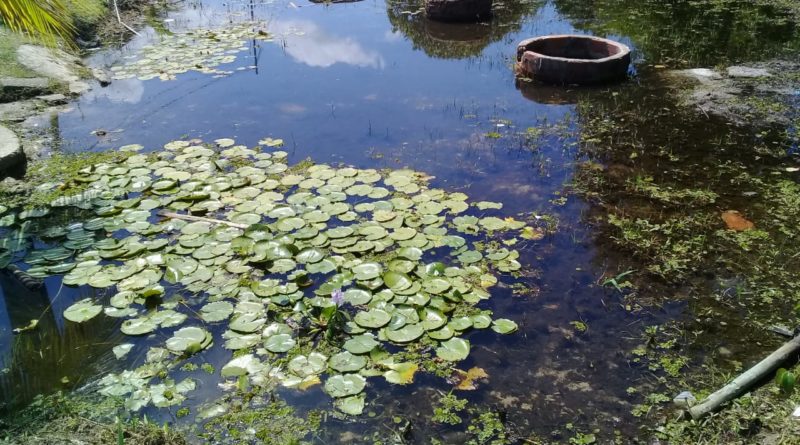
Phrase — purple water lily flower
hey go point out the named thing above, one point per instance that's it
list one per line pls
(338, 297)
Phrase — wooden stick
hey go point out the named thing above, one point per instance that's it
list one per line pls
(200, 218)
(742, 383)
(119, 19)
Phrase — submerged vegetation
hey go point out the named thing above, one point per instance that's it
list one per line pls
(723, 248)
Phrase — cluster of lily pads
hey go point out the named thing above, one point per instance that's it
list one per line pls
(201, 50)
(305, 272)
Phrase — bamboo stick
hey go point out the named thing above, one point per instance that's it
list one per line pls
(200, 218)
(741, 384)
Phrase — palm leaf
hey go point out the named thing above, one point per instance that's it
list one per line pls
(44, 20)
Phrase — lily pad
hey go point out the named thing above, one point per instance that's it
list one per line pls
(345, 385)
(347, 362)
(453, 350)
(367, 271)
(406, 334)
(279, 343)
(189, 340)
(504, 326)
(401, 373)
(361, 344)
(82, 311)
(374, 318)
(353, 405)
(138, 326)
(216, 311)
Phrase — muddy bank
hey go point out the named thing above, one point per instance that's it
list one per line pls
(758, 94)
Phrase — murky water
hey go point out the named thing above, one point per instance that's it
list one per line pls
(371, 85)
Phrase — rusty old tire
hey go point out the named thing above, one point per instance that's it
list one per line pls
(573, 59)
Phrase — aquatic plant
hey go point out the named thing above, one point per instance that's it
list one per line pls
(201, 50)
(224, 244)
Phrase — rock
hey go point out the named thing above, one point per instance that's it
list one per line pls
(11, 154)
(458, 10)
(78, 87)
(20, 110)
(102, 76)
(702, 74)
(747, 72)
(724, 352)
(13, 88)
(50, 63)
(54, 99)
(684, 400)
(796, 413)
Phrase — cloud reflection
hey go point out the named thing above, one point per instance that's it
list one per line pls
(307, 43)
(120, 91)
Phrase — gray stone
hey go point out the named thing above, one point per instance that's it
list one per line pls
(458, 10)
(78, 87)
(20, 110)
(51, 63)
(11, 154)
(14, 88)
(684, 400)
(702, 74)
(724, 352)
(747, 72)
(101, 76)
(54, 99)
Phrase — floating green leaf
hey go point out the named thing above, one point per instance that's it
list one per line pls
(453, 350)
(82, 311)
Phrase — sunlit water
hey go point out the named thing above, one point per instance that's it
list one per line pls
(344, 83)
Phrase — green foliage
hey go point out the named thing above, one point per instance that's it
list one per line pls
(46, 20)
(487, 428)
(447, 409)
(785, 380)
(65, 418)
(270, 423)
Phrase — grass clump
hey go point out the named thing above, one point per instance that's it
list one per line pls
(59, 418)
(9, 67)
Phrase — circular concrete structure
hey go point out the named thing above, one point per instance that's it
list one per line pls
(573, 59)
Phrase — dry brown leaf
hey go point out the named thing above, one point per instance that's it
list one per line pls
(735, 221)
(308, 383)
(468, 378)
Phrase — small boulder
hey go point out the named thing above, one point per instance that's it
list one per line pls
(11, 154)
(78, 87)
(458, 10)
(704, 75)
(684, 400)
(747, 72)
(54, 99)
(14, 88)
(102, 76)
(50, 63)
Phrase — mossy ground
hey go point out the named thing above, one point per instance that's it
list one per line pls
(9, 67)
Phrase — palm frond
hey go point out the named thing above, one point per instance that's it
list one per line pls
(44, 20)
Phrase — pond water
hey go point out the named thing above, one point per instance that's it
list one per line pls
(372, 84)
